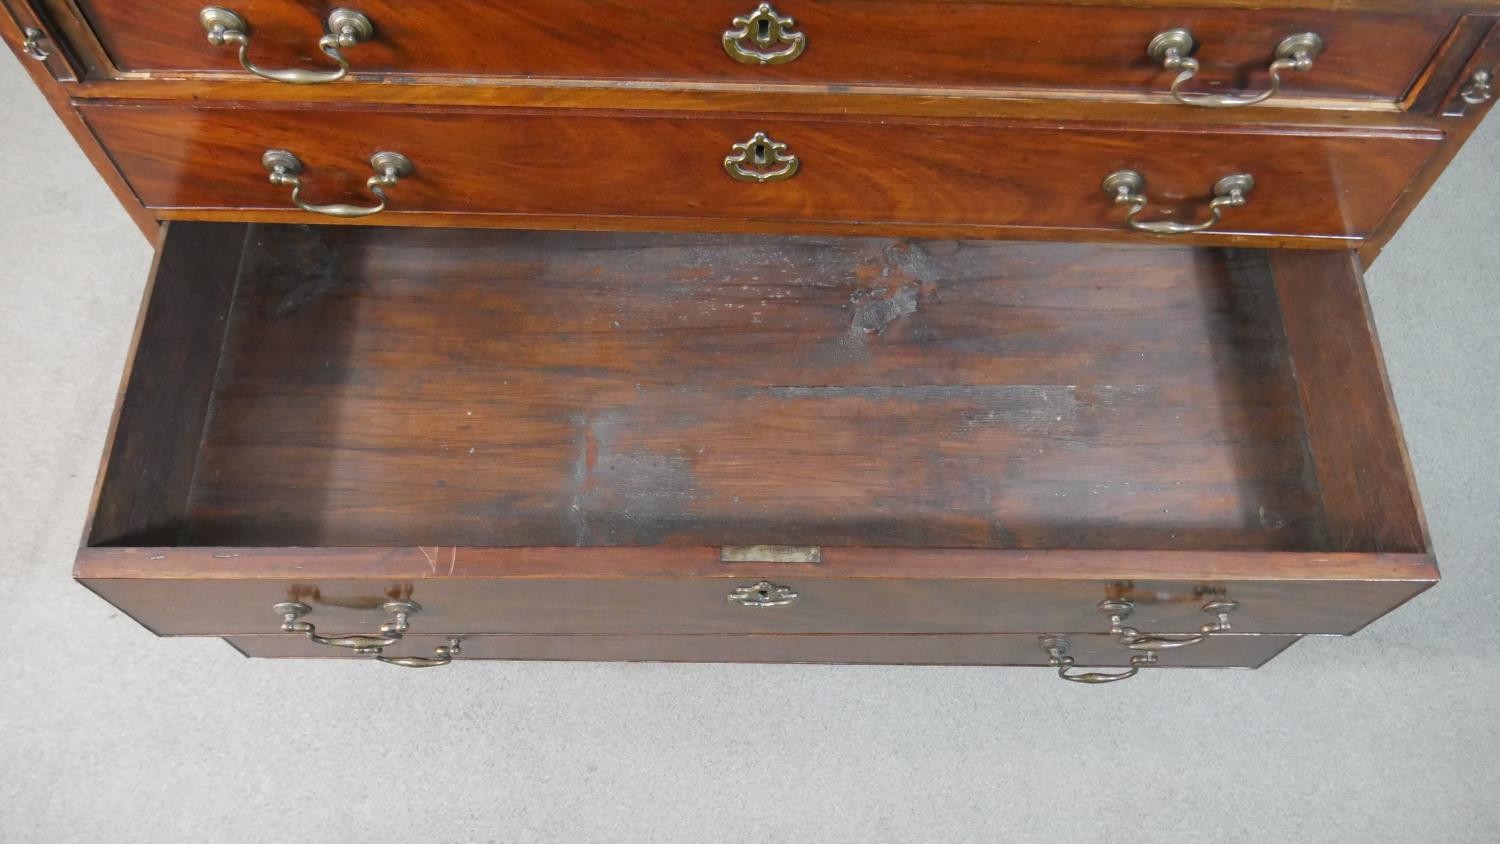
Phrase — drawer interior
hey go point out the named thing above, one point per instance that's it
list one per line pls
(341, 386)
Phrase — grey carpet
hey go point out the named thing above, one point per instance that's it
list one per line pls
(107, 733)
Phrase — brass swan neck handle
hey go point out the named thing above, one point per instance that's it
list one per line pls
(1173, 50)
(346, 28)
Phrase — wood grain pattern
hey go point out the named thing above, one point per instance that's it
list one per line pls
(159, 418)
(1369, 496)
(534, 389)
(646, 398)
(872, 100)
(215, 592)
(853, 42)
(535, 165)
(104, 562)
(1232, 651)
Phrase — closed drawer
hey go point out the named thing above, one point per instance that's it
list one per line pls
(567, 433)
(1047, 50)
(614, 170)
(1228, 651)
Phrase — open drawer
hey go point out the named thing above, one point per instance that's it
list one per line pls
(647, 435)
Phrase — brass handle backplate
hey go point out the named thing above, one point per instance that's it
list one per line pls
(390, 167)
(1173, 50)
(32, 46)
(763, 37)
(761, 159)
(391, 632)
(346, 28)
(1128, 188)
(764, 594)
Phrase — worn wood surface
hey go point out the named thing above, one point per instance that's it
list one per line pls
(159, 419)
(666, 590)
(850, 42)
(1233, 651)
(528, 167)
(491, 388)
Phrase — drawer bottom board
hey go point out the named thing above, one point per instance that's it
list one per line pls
(1223, 651)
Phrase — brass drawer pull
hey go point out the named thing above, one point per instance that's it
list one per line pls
(761, 159)
(1056, 649)
(1128, 188)
(1133, 639)
(390, 168)
(1146, 646)
(391, 632)
(1173, 51)
(763, 37)
(441, 655)
(764, 594)
(1480, 88)
(291, 613)
(346, 28)
(32, 46)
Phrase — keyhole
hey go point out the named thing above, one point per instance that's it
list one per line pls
(763, 31)
(759, 156)
(765, 594)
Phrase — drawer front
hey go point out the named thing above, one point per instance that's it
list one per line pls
(228, 592)
(975, 45)
(1231, 651)
(539, 168)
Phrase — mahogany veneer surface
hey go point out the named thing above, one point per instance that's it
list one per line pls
(536, 167)
(864, 42)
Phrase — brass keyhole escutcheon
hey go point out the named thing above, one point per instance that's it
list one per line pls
(764, 594)
(763, 37)
(761, 159)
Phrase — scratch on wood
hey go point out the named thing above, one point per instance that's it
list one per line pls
(432, 557)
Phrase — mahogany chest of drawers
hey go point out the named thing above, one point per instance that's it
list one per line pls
(983, 333)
